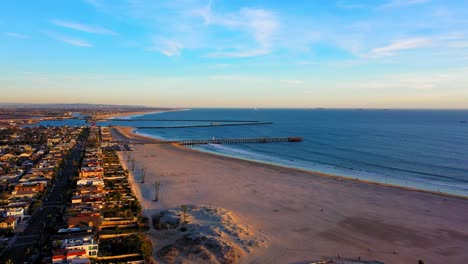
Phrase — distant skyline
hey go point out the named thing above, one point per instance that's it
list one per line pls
(193, 53)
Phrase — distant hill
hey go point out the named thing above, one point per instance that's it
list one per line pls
(70, 106)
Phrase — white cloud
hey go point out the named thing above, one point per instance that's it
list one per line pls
(349, 5)
(292, 82)
(255, 28)
(459, 44)
(235, 78)
(167, 47)
(94, 29)
(239, 53)
(209, 18)
(16, 35)
(261, 24)
(95, 3)
(221, 65)
(420, 81)
(406, 44)
(402, 3)
(69, 40)
(75, 41)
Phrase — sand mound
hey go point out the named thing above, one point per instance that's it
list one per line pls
(202, 234)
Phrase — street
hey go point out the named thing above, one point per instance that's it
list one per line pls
(52, 206)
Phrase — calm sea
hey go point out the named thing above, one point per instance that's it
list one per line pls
(426, 149)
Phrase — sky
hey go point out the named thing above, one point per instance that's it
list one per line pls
(237, 53)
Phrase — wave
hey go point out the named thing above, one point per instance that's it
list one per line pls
(138, 131)
(399, 169)
(432, 183)
(401, 154)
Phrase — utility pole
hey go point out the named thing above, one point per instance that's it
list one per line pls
(156, 189)
(133, 164)
(143, 175)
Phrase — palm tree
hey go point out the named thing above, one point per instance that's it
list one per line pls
(184, 209)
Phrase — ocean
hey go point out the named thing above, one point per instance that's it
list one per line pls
(424, 149)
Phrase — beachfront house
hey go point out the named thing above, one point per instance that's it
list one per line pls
(86, 243)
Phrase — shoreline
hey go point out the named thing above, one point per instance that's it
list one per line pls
(305, 216)
(140, 113)
(130, 133)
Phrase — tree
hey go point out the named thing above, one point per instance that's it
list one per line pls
(184, 210)
(146, 246)
(29, 250)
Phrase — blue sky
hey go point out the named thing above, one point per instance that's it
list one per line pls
(201, 53)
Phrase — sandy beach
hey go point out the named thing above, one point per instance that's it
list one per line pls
(305, 216)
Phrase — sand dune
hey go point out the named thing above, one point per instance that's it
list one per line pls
(306, 216)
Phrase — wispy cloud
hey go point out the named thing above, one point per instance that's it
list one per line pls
(416, 81)
(406, 44)
(94, 29)
(402, 3)
(349, 5)
(261, 24)
(239, 53)
(459, 44)
(221, 65)
(16, 35)
(235, 78)
(94, 3)
(167, 47)
(292, 82)
(69, 40)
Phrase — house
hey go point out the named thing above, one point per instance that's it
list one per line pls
(75, 254)
(51, 141)
(90, 181)
(80, 221)
(17, 212)
(76, 245)
(60, 256)
(91, 172)
(70, 257)
(80, 261)
(8, 223)
(76, 199)
(23, 194)
(33, 186)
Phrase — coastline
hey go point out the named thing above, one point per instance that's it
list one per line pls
(131, 133)
(122, 114)
(307, 216)
(139, 113)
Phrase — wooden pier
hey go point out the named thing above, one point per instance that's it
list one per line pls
(222, 141)
(179, 120)
(239, 140)
(208, 125)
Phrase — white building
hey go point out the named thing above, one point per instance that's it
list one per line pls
(16, 212)
(90, 181)
(86, 243)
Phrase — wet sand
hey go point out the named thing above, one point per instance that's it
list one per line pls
(306, 216)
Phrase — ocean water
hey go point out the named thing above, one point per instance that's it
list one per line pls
(426, 149)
